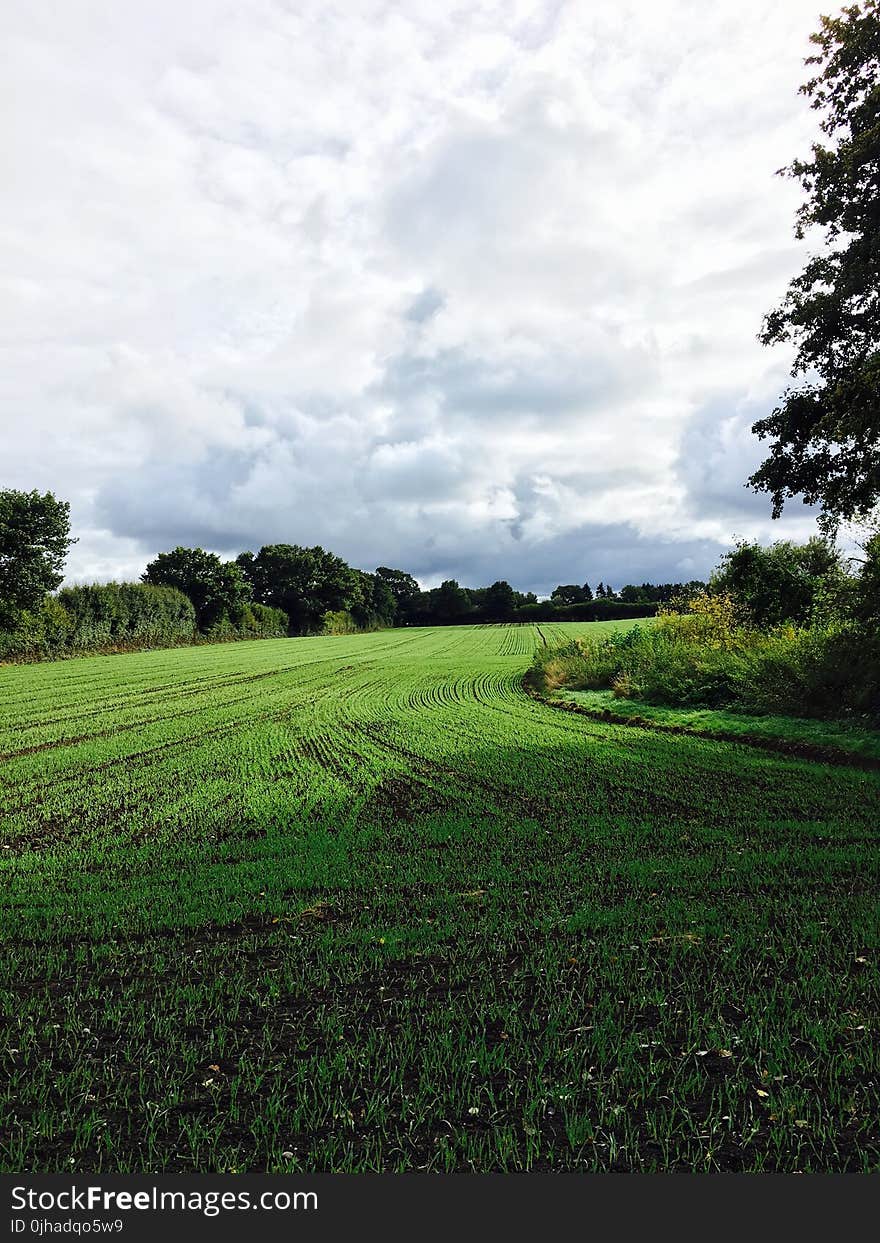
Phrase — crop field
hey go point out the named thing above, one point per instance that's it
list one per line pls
(360, 903)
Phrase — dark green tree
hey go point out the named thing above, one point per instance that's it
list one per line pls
(499, 601)
(372, 603)
(305, 582)
(825, 434)
(218, 589)
(566, 594)
(34, 539)
(866, 593)
(404, 589)
(449, 601)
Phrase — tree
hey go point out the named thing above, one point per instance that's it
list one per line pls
(867, 588)
(34, 539)
(587, 593)
(305, 582)
(384, 605)
(499, 601)
(218, 589)
(374, 604)
(566, 594)
(780, 583)
(825, 434)
(449, 601)
(403, 588)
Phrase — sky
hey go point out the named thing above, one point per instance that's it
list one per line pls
(470, 290)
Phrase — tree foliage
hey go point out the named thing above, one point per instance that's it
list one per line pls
(403, 587)
(305, 582)
(218, 589)
(825, 434)
(569, 593)
(34, 539)
(782, 582)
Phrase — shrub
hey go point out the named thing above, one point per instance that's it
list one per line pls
(36, 633)
(119, 615)
(703, 658)
(339, 621)
(124, 616)
(263, 622)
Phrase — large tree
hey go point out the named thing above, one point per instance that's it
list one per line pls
(825, 434)
(499, 601)
(449, 601)
(34, 539)
(218, 589)
(403, 588)
(373, 603)
(568, 593)
(305, 582)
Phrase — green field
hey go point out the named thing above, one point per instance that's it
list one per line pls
(360, 903)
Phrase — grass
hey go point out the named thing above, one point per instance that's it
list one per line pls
(854, 740)
(360, 903)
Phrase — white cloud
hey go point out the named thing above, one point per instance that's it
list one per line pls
(473, 291)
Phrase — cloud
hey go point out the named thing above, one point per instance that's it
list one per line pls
(471, 291)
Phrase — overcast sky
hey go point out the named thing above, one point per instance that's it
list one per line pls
(470, 289)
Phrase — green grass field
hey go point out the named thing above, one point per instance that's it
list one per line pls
(360, 903)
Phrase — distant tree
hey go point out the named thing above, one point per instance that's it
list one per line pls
(373, 603)
(499, 601)
(587, 593)
(34, 539)
(404, 589)
(631, 594)
(779, 583)
(449, 601)
(305, 582)
(689, 590)
(567, 594)
(825, 434)
(218, 589)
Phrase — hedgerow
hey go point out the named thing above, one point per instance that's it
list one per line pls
(115, 617)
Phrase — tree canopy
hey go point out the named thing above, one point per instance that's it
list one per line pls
(218, 589)
(34, 539)
(305, 582)
(825, 434)
(779, 583)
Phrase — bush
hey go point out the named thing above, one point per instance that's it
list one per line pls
(112, 617)
(254, 621)
(706, 658)
(38, 633)
(339, 621)
(262, 622)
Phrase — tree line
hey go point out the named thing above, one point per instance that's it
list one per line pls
(319, 592)
(190, 594)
